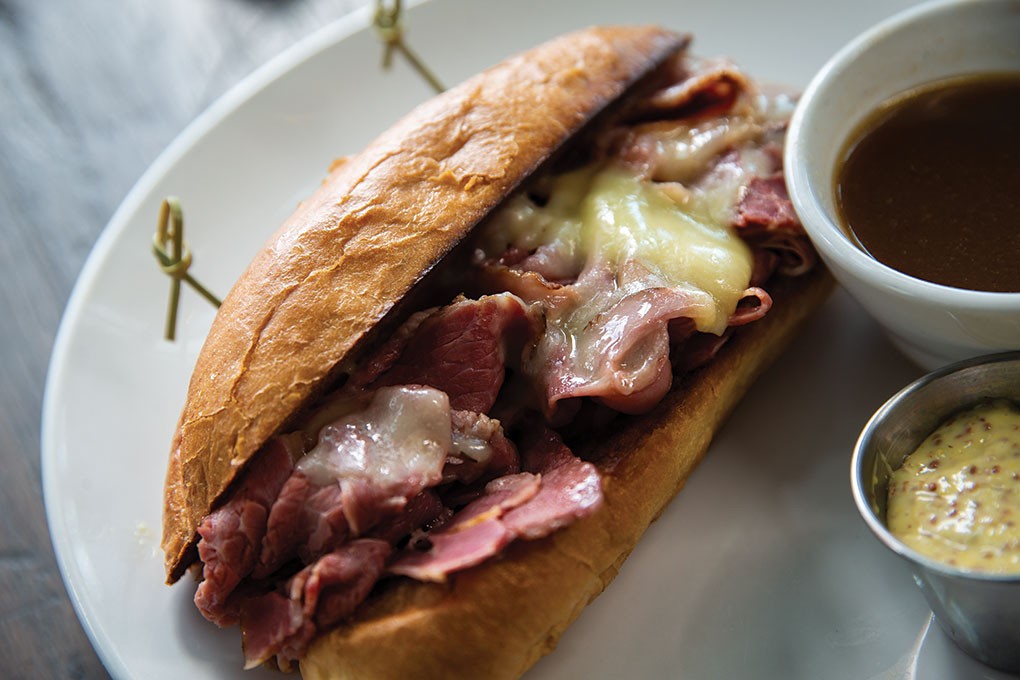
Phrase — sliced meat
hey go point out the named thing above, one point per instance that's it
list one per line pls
(453, 551)
(494, 276)
(621, 357)
(559, 490)
(552, 262)
(569, 492)
(480, 451)
(267, 621)
(706, 87)
(543, 450)
(570, 489)
(422, 510)
(285, 528)
(753, 306)
(308, 520)
(684, 153)
(384, 357)
(317, 597)
(500, 496)
(324, 523)
(231, 536)
(461, 350)
(228, 549)
(338, 582)
(766, 204)
(698, 350)
(793, 250)
(765, 264)
(383, 455)
(766, 219)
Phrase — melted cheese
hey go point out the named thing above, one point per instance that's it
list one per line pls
(607, 217)
(403, 433)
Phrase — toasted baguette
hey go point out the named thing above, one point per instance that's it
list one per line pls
(355, 249)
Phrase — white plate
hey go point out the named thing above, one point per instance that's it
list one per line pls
(761, 568)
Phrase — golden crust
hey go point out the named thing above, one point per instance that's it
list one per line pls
(494, 621)
(329, 275)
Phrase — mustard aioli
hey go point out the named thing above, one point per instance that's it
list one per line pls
(956, 499)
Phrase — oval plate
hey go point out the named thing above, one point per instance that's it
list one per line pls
(760, 568)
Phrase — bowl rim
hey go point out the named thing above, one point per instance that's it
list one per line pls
(864, 508)
(827, 235)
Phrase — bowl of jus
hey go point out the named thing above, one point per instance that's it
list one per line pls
(903, 163)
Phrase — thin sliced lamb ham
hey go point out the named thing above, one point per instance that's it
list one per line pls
(755, 305)
(452, 551)
(694, 88)
(231, 536)
(461, 350)
(422, 510)
(767, 204)
(571, 488)
(367, 466)
(500, 496)
(480, 450)
(383, 455)
(267, 622)
(621, 356)
(285, 526)
(317, 597)
(308, 520)
(558, 490)
(341, 580)
(569, 492)
(529, 285)
(765, 218)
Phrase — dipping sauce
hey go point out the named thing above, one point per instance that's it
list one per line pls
(930, 183)
(957, 498)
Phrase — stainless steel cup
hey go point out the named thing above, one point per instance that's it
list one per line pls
(980, 612)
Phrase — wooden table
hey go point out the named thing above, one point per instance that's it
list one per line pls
(90, 93)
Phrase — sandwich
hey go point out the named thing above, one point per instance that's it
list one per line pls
(442, 404)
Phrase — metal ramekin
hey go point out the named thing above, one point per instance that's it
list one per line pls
(980, 612)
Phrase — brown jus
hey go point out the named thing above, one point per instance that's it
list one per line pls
(929, 184)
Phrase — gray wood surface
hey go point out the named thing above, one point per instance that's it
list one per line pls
(90, 92)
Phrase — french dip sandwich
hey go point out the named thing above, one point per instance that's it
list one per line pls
(436, 413)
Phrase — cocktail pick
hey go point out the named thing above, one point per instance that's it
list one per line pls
(169, 246)
(174, 259)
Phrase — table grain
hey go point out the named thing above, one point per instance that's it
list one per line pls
(90, 92)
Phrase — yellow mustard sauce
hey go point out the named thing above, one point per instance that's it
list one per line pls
(956, 499)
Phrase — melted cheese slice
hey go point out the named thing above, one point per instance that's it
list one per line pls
(401, 437)
(606, 217)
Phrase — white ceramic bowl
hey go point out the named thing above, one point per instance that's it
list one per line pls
(931, 323)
